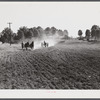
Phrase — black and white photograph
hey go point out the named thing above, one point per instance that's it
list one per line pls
(50, 45)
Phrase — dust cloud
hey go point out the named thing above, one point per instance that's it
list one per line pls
(50, 39)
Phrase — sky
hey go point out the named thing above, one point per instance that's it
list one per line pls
(71, 16)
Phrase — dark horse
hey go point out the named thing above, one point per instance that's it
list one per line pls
(44, 44)
(26, 45)
(32, 45)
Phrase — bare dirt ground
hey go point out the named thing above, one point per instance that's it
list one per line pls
(68, 65)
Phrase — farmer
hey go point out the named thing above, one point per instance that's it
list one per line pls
(44, 43)
(22, 44)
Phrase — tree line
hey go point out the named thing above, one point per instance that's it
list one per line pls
(93, 33)
(7, 35)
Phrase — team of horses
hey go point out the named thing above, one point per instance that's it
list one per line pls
(28, 45)
(31, 45)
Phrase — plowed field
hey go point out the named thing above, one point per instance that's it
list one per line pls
(69, 65)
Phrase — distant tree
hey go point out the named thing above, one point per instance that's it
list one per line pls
(15, 36)
(87, 34)
(2, 39)
(7, 35)
(35, 32)
(47, 31)
(95, 32)
(30, 33)
(53, 30)
(20, 34)
(98, 33)
(60, 32)
(40, 31)
(65, 34)
(80, 33)
(25, 31)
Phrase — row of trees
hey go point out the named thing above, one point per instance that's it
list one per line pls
(7, 35)
(93, 33)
